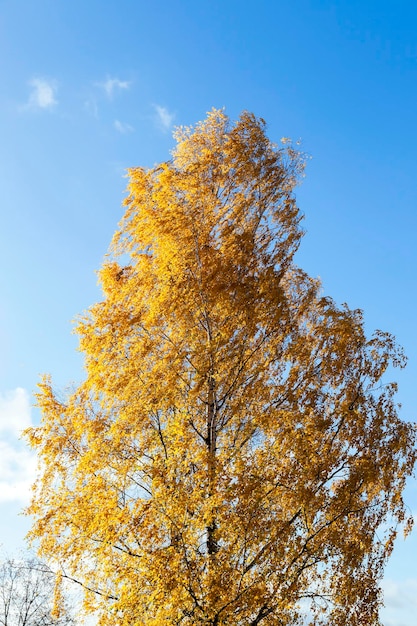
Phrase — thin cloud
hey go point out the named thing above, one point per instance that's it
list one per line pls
(123, 127)
(400, 600)
(164, 117)
(17, 462)
(43, 94)
(112, 85)
(14, 412)
(91, 107)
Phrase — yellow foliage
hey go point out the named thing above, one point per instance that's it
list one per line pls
(231, 452)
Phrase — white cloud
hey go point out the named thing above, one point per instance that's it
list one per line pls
(17, 462)
(400, 600)
(43, 94)
(164, 117)
(111, 85)
(14, 411)
(122, 127)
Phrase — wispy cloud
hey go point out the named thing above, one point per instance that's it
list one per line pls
(164, 117)
(400, 600)
(43, 94)
(112, 85)
(17, 462)
(90, 105)
(123, 127)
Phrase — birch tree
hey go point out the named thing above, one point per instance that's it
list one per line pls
(233, 456)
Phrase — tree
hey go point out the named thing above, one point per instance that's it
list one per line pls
(232, 457)
(27, 594)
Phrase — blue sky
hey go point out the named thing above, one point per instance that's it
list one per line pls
(91, 88)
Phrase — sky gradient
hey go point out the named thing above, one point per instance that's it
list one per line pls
(89, 89)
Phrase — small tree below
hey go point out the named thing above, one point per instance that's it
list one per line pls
(27, 595)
